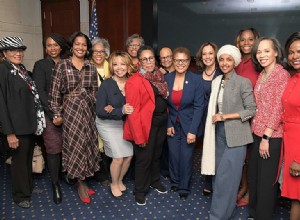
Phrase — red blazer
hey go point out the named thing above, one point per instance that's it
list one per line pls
(140, 95)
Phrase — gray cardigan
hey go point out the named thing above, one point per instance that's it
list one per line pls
(237, 98)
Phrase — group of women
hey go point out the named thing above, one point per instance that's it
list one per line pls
(244, 103)
(268, 104)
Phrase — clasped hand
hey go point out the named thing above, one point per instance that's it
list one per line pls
(216, 118)
(127, 109)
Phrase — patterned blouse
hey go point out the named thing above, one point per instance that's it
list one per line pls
(268, 100)
(65, 79)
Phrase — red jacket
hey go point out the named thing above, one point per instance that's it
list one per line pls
(140, 95)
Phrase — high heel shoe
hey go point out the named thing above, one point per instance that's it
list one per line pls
(244, 201)
(81, 190)
(91, 192)
(57, 197)
(240, 196)
(86, 200)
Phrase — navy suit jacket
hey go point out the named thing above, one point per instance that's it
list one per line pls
(190, 111)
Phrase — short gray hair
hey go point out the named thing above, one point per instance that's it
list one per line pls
(104, 42)
(134, 36)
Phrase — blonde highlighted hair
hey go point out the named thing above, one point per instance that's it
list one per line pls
(125, 57)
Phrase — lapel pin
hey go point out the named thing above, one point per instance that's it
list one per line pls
(186, 82)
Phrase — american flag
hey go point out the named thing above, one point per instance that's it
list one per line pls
(94, 22)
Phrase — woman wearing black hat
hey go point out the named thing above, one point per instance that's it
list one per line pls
(21, 117)
(55, 45)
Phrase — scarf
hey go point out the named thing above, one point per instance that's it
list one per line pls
(157, 79)
(23, 73)
(209, 142)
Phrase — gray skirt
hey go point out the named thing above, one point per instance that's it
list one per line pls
(111, 132)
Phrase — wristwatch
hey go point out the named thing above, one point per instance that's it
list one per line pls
(266, 137)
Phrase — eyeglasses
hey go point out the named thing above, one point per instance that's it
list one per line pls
(166, 57)
(99, 51)
(183, 61)
(15, 51)
(134, 45)
(147, 59)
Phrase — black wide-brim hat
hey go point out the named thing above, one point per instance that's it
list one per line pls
(12, 43)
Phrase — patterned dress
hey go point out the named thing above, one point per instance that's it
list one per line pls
(80, 152)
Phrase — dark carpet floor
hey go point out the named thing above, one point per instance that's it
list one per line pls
(103, 206)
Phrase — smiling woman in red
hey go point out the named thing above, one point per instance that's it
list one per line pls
(146, 127)
(291, 128)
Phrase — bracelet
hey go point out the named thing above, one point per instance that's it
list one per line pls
(222, 118)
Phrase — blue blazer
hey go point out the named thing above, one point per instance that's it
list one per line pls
(192, 106)
(109, 94)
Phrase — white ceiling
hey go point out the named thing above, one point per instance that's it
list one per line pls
(238, 6)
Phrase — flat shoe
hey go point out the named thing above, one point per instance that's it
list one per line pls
(117, 197)
(105, 183)
(173, 189)
(183, 196)
(24, 204)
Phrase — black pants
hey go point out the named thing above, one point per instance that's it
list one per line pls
(21, 168)
(147, 161)
(164, 160)
(262, 173)
(4, 150)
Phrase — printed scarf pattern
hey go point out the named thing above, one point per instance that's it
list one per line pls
(158, 80)
(23, 73)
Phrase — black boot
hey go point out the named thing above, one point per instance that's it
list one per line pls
(53, 162)
(57, 197)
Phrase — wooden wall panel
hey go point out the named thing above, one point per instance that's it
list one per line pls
(60, 16)
(117, 20)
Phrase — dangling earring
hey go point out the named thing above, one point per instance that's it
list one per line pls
(71, 50)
